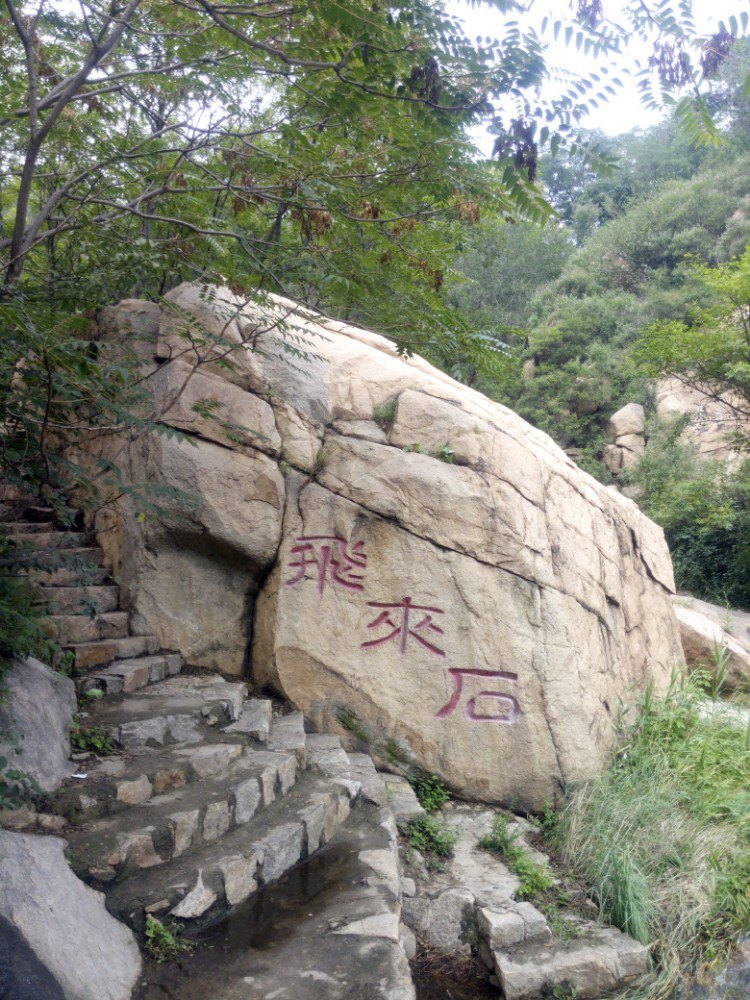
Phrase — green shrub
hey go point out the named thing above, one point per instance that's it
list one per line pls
(384, 414)
(663, 838)
(430, 836)
(164, 942)
(704, 508)
(91, 739)
(429, 789)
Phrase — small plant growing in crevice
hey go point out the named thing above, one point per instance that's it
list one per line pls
(164, 942)
(416, 448)
(445, 454)
(431, 836)
(535, 879)
(320, 460)
(91, 739)
(384, 415)
(428, 788)
(394, 753)
(353, 724)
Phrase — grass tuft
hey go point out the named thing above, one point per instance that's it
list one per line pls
(535, 879)
(663, 837)
(431, 836)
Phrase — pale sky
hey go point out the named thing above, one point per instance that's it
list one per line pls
(620, 113)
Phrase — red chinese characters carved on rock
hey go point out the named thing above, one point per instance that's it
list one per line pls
(334, 561)
(510, 710)
(396, 618)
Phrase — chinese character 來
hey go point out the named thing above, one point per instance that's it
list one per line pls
(396, 619)
(333, 560)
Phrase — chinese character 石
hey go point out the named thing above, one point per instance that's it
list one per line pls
(333, 560)
(509, 709)
(396, 618)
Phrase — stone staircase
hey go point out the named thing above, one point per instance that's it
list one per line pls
(214, 798)
(83, 602)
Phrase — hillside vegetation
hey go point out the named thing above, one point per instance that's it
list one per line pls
(644, 263)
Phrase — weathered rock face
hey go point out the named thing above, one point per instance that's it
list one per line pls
(90, 954)
(429, 567)
(35, 719)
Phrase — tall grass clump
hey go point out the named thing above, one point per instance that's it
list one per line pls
(663, 837)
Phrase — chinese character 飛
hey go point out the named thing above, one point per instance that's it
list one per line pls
(333, 560)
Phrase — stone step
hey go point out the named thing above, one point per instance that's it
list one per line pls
(51, 539)
(80, 557)
(179, 710)
(203, 885)
(288, 733)
(255, 721)
(599, 962)
(116, 783)
(514, 924)
(41, 514)
(325, 753)
(9, 493)
(75, 599)
(159, 828)
(88, 655)
(28, 527)
(74, 629)
(124, 676)
(70, 576)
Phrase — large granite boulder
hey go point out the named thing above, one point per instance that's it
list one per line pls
(36, 713)
(712, 635)
(89, 954)
(412, 560)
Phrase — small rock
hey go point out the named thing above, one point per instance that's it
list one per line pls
(239, 879)
(216, 821)
(51, 822)
(132, 793)
(167, 779)
(408, 941)
(18, 819)
(183, 826)
(408, 887)
(247, 797)
(198, 900)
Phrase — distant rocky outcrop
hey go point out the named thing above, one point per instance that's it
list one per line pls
(407, 560)
(627, 434)
(711, 424)
(712, 421)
